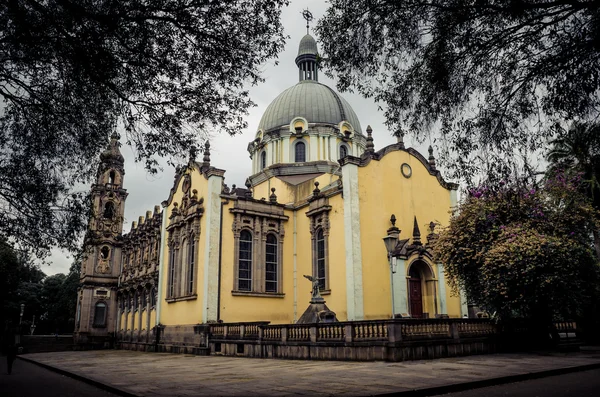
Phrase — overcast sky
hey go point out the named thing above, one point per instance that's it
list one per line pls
(229, 153)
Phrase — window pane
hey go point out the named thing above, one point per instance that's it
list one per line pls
(300, 152)
(271, 264)
(321, 274)
(100, 315)
(245, 261)
(343, 152)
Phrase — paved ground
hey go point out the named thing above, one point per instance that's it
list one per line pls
(30, 380)
(580, 384)
(163, 374)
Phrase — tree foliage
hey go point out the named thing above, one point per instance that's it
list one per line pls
(524, 250)
(497, 76)
(578, 152)
(71, 72)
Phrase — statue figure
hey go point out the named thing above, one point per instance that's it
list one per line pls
(316, 295)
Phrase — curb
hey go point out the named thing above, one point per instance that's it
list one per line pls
(100, 385)
(477, 384)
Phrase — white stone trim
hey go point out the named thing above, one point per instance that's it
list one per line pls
(314, 144)
(161, 265)
(211, 249)
(442, 288)
(286, 149)
(400, 287)
(354, 282)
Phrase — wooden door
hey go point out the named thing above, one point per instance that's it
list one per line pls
(416, 298)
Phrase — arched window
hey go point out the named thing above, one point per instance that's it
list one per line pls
(105, 252)
(111, 178)
(343, 151)
(183, 267)
(263, 160)
(100, 315)
(271, 264)
(172, 258)
(143, 302)
(300, 152)
(109, 210)
(153, 297)
(191, 267)
(321, 271)
(245, 261)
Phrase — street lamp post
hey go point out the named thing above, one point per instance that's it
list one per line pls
(390, 241)
(32, 328)
(21, 315)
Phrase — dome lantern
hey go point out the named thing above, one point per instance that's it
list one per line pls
(306, 60)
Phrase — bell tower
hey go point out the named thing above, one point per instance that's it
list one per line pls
(101, 265)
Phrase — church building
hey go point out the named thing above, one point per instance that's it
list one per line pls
(319, 201)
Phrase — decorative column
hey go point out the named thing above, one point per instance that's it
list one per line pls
(442, 288)
(119, 300)
(313, 150)
(400, 287)
(352, 240)
(286, 149)
(148, 300)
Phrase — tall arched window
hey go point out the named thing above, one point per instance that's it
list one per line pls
(271, 264)
(321, 272)
(100, 315)
(172, 258)
(245, 261)
(191, 267)
(263, 160)
(343, 151)
(111, 177)
(300, 152)
(105, 252)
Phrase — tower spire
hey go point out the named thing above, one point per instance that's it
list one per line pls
(307, 15)
(307, 53)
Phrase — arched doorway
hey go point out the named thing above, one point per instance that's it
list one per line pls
(415, 293)
(421, 291)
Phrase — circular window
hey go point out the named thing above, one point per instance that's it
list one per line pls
(406, 170)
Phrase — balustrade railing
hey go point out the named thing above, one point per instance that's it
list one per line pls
(370, 330)
(361, 331)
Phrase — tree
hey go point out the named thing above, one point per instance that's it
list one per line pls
(578, 151)
(71, 72)
(524, 250)
(497, 77)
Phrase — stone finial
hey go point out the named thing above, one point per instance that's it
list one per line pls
(206, 158)
(148, 214)
(399, 138)
(225, 189)
(248, 188)
(370, 145)
(416, 233)
(393, 230)
(193, 152)
(156, 209)
(431, 237)
(273, 196)
(316, 191)
(133, 225)
(431, 158)
(141, 220)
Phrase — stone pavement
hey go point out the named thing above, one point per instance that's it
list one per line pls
(164, 374)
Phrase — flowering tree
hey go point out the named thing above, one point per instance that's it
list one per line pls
(523, 250)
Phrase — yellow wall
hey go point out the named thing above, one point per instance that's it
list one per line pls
(384, 191)
(188, 311)
(287, 193)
